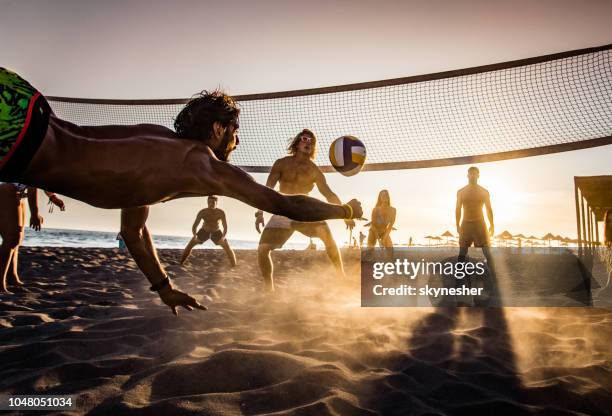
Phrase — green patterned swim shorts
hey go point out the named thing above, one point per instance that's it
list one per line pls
(24, 117)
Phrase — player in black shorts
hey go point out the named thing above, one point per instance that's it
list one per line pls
(211, 217)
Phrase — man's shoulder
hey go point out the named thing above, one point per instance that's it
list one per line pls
(463, 190)
(483, 190)
(283, 160)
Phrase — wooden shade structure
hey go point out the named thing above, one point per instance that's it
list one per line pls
(593, 197)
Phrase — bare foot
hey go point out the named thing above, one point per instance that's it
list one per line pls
(14, 280)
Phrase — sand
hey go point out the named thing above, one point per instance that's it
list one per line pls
(86, 324)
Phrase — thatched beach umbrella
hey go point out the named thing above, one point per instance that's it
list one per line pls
(447, 234)
(505, 236)
(548, 237)
(520, 238)
(428, 238)
(436, 238)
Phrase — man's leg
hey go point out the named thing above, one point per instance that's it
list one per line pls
(187, 251)
(12, 276)
(463, 250)
(228, 250)
(324, 233)
(271, 238)
(265, 265)
(10, 215)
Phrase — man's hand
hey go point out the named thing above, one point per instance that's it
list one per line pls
(36, 221)
(174, 297)
(57, 202)
(350, 224)
(259, 220)
(357, 210)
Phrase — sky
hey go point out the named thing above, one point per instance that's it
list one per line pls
(155, 49)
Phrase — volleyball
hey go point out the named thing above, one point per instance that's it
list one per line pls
(347, 155)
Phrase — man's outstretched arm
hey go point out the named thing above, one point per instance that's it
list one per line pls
(234, 182)
(331, 197)
(138, 241)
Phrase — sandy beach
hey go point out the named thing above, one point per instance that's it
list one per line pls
(85, 324)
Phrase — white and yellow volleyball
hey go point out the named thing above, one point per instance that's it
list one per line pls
(347, 155)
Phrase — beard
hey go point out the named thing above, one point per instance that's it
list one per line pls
(222, 152)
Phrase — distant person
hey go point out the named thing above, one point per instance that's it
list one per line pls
(383, 218)
(471, 226)
(211, 217)
(133, 167)
(297, 174)
(362, 237)
(311, 245)
(410, 242)
(12, 223)
(122, 246)
(608, 228)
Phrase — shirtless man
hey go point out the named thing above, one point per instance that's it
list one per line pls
(12, 223)
(210, 229)
(297, 174)
(473, 229)
(133, 167)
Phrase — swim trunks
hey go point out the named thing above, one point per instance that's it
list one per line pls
(474, 232)
(24, 117)
(216, 236)
(279, 229)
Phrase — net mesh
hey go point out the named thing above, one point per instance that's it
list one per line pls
(415, 123)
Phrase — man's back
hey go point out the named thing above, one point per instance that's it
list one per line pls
(125, 169)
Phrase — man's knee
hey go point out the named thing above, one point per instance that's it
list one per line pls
(263, 250)
(130, 233)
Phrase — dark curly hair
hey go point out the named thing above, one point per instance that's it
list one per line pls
(195, 121)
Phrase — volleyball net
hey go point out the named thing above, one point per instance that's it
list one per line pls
(521, 108)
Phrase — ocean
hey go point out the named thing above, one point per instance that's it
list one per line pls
(52, 237)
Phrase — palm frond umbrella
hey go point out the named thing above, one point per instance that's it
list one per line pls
(520, 238)
(428, 238)
(436, 238)
(505, 236)
(447, 234)
(532, 237)
(548, 237)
